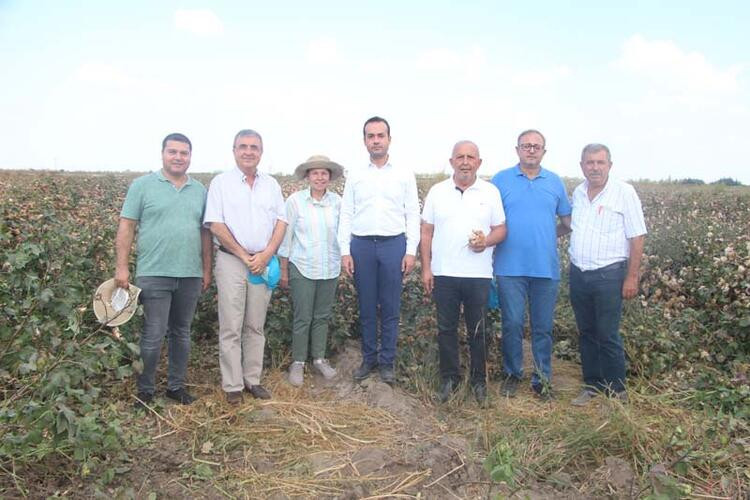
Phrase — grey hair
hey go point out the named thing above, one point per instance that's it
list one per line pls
(595, 148)
(532, 131)
(247, 132)
(462, 142)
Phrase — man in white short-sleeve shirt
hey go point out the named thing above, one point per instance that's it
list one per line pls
(246, 214)
(462, 220)
(606, 247)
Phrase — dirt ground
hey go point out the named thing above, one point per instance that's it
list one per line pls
(328, 439)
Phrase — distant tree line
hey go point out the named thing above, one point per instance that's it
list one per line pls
(726, 181)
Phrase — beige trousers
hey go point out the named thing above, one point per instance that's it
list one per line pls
(242, 314)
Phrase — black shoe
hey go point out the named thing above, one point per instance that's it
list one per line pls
(259, 392)
(543, 392)
(480, 393)
(510, 386)
(181, 396)
(363, 371)
(144, 398)
(447, 388)
(387, 375)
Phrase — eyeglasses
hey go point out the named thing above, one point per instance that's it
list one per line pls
(531, 147)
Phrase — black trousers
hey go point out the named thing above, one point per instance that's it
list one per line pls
(450, 293)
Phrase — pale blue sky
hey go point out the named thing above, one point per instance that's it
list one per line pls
(97, 85)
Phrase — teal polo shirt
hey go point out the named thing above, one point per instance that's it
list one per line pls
(531, 209)
(169, 225)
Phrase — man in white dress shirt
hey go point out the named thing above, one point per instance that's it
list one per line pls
(246, 214)
(378, 236)
(606, 247)
(462, 221)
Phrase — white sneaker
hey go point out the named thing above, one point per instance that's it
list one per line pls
(297, 373)
(584, 398)
(324, 368)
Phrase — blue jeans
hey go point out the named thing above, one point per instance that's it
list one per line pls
(377, 277)
(596, 297)
(168, 306)
(449, 293)
(541, 293)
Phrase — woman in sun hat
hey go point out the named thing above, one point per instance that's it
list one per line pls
(311, 263)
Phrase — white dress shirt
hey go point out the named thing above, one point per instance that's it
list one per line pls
(454, 215)
(602, 226)
(250, 213)
(380, 201)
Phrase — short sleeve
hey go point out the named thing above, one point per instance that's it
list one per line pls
(634, 223)
(133, 206)
(279, 205)
(498, 214)
(428, 211)
(563, 204)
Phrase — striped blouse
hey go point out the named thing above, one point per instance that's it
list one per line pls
(310, 241)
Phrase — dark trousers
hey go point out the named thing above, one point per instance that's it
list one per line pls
(168, 309)
(596, 297)
(377, 277)
(449, 293)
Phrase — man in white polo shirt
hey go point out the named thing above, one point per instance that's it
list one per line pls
(606, 247)
(246, 214)
(462, 220)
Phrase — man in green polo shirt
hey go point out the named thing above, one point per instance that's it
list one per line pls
(173, 262)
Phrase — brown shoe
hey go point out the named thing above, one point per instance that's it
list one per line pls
(259, 392)
(234, 398)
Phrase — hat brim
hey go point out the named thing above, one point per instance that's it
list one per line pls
(105, 312)
(336, 170)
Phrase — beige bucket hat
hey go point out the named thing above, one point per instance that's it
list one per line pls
(115, 306)
(319, 161)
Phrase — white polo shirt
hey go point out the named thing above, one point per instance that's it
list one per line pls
(602, 226)
(250, 213)
(454, 215)
(380, 201)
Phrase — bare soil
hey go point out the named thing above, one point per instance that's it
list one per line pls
(328, 439)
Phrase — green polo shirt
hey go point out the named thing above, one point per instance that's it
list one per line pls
(169, 224)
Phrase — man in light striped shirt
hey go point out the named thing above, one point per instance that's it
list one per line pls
(606, 247)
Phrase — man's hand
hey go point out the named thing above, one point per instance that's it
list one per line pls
(284, 279)
(428, 281)
(477, 241)
(257, 263)
(206, 280)
(347, 264)
(630, 287)
(122, 276)
(407, 264)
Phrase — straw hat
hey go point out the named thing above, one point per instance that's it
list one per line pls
(319, 161)
(114, 306)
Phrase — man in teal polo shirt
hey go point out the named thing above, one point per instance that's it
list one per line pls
(173, 262)
(526, 263)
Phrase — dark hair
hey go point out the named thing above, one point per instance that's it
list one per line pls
(176, 137)
(532, 131)
(376, 119)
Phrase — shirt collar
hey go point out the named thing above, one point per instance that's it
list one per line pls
(241, 175)
(161, 177)
(468, 188)
(387, 165)
(542, 171)
(322, 201)
(604, 189)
